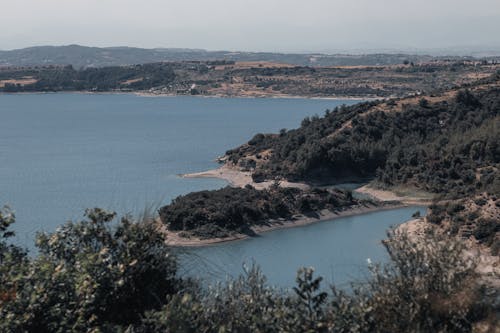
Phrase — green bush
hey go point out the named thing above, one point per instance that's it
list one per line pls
(230, 210)
(96, 276)
(91, 274)
(428, 286)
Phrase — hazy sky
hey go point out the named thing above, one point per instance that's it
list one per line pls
(258, 25)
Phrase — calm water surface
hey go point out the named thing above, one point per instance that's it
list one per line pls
(337, 249)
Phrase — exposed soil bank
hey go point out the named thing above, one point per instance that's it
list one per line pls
(238, 178)
(174, 238)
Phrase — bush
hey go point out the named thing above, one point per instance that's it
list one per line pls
(428, 286)
(94, 277)
(91, 274)
(220, 213)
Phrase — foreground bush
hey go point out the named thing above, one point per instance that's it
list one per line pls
(100, 276)
(89, 274)
(426, 287)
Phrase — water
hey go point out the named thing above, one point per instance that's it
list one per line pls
(337, 249)
(62, 153)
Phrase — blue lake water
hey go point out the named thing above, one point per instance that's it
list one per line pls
(62, 153)
(338, 250)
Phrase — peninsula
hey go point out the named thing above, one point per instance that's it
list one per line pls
(440, 149)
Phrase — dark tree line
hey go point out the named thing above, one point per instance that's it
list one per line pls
(219, 213)
(137, 77)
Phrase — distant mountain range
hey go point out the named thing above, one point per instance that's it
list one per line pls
(83, 56)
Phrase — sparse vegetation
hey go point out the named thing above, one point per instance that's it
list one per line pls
(227, 78)
(476, 217)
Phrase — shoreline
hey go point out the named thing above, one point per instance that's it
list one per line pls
(150, 94)
(262, 96)
(173, 239)
(238, 178)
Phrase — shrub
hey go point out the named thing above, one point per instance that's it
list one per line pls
(96, 277)
(428, 286)
(230, 210)
(91, 274)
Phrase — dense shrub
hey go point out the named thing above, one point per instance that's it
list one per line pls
(137, 77)
(93, 277)
(219, 213)
(449, 147)
(88, 275)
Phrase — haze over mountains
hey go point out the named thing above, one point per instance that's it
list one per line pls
(83, 56)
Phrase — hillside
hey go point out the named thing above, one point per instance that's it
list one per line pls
(447, 143)
(248, 79)
(83, 56)
(477, 216)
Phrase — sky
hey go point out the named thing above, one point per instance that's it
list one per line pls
(253, 25)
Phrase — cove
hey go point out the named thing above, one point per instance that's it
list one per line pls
(338, 250)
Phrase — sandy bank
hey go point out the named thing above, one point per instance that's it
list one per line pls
(488, 265)
(238, 178)
(385, 195)
(415, 227)
(174, 239)
(259, 94)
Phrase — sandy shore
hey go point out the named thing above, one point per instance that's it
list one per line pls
(153, 94)
(415, 227)
(239, 178)
(384, 195)
(174, 239)
(259, 95)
